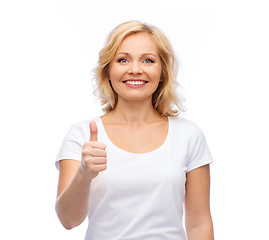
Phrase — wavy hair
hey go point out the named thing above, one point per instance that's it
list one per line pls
(165, 97)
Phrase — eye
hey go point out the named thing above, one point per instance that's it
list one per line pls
(149, 60)
(122, 60)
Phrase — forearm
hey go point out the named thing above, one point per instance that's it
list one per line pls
(73, 203)
(201, 232)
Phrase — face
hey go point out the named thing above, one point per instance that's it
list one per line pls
(135, 70)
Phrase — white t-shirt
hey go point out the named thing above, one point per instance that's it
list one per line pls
(140, 196)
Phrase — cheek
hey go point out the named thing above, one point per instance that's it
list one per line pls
(111, 72)
(156, 73)
(115, 72)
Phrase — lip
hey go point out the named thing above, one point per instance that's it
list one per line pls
(135, 80)
(135, 86)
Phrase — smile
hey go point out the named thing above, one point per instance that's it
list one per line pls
(135, 83)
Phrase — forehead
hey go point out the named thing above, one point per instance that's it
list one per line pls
(138, 43)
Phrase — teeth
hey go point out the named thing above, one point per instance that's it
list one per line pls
(135, 82)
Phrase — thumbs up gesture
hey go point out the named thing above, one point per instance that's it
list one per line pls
(93, 155)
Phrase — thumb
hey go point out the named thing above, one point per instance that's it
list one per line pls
(93, 131)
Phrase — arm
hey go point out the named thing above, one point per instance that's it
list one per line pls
(198, 220)
(75, 178)
(73, 194)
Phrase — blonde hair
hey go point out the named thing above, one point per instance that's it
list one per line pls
(165, 95)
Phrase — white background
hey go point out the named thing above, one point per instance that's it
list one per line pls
(47, 52)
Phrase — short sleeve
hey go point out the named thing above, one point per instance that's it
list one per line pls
(200, 153)
(72, 144)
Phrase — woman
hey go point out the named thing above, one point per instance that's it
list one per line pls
(132, 169)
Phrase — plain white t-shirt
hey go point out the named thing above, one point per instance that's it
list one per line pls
(140, 196)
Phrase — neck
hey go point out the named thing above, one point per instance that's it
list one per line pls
(134, 113)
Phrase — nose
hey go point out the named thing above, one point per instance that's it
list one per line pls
(135, 68)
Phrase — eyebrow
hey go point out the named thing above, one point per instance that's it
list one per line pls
(126, 53)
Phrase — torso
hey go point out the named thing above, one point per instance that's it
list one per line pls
(141, 139)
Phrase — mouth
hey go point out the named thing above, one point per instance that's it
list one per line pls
(135, 82)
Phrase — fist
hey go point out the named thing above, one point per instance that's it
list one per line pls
(93, 155)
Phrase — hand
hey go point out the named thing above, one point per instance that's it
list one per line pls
(93, 155)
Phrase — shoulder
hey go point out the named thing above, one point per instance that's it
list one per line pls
(185, 125)
(82, 127)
